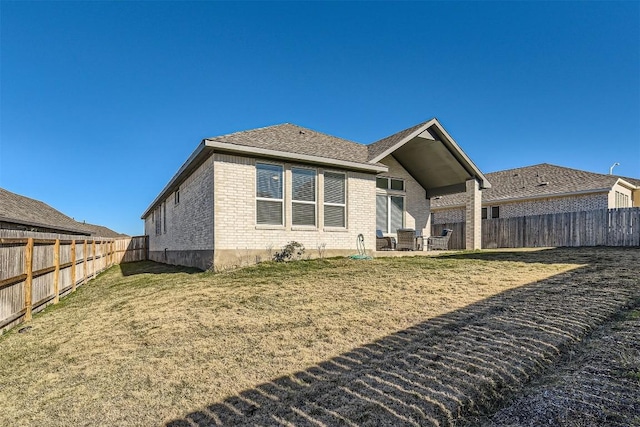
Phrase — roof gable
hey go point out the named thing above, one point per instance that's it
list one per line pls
(431, 156)
(378, 148)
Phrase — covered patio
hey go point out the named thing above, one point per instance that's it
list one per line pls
(438, 164)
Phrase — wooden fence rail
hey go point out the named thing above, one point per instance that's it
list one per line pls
(605, 227)
(37, 271)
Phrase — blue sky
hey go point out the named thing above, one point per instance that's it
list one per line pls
(101, 102)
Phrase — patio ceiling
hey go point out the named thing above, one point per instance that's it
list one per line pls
(433, 158)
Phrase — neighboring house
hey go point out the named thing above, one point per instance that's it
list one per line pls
(102, 231)
(23, 213)
(242, 196)
(542, 189)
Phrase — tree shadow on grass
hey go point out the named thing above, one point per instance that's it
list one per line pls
(151, 267)
(452, 369)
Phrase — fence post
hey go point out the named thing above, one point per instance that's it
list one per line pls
(56, 272)
(93, 257)
(28, 284)
(73, 265)
(84, 280)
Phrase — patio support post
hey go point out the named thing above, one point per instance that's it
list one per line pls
(473, 234)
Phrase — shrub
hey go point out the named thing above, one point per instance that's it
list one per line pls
(290, 252)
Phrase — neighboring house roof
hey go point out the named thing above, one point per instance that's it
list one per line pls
(17, 209)
(449, 167)
(634, 181)
(101, 231)
(537, 181)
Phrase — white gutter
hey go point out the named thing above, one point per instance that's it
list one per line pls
(166, 190)
(304, 158)
(207, 147)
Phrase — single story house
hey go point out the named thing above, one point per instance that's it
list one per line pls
(240, 197)
(541, 189)
(23, 213)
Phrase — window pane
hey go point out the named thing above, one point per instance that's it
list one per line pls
(304, 184)
(303, 214)
(334, 191)
(397, 213)
(268, 181)
(382, 183)
(397, 184)
(334, 216)
(495, 212)
(484, 213)
(268, 212)
(381, 213)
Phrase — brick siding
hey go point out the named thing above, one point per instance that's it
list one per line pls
(189, 224)
(237, 234)
(530, 207)
(416, 203)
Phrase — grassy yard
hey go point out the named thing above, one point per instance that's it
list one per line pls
(413, 341)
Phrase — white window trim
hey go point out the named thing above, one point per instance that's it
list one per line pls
(164, 215)
(344, 205)
(388, 193)
(388, 196)
(269, 199)
(389, 189)
(305, 202)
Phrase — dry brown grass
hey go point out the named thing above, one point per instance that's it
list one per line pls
(391, 341)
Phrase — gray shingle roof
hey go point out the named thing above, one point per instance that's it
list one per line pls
(24, 210)
(18, 209)
(102, 231)
(382, 145)
(291, 138)
(529, 182)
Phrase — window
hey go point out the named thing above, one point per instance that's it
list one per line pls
(390, 183)
(303, 197)
(335, 200)
(622, 200)
(495, 211)
(389, 213)
(269, 191)
(158, 216)
(176, 196)
(484, 213)
(164, 217)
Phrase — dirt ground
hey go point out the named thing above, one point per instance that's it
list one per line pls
(504, 338)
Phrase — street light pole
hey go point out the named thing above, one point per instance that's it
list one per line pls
(613, 166)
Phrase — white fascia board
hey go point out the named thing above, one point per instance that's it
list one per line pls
(210, 145)
(403, 141)
(421, 132)
(167, 188)
(303, 158)
(626, 184)
(485, 182)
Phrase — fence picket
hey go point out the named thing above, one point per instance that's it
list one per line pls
(38, 269)
(605, 227)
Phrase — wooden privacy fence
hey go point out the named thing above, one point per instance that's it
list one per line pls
(35, 272)
(605, 227)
